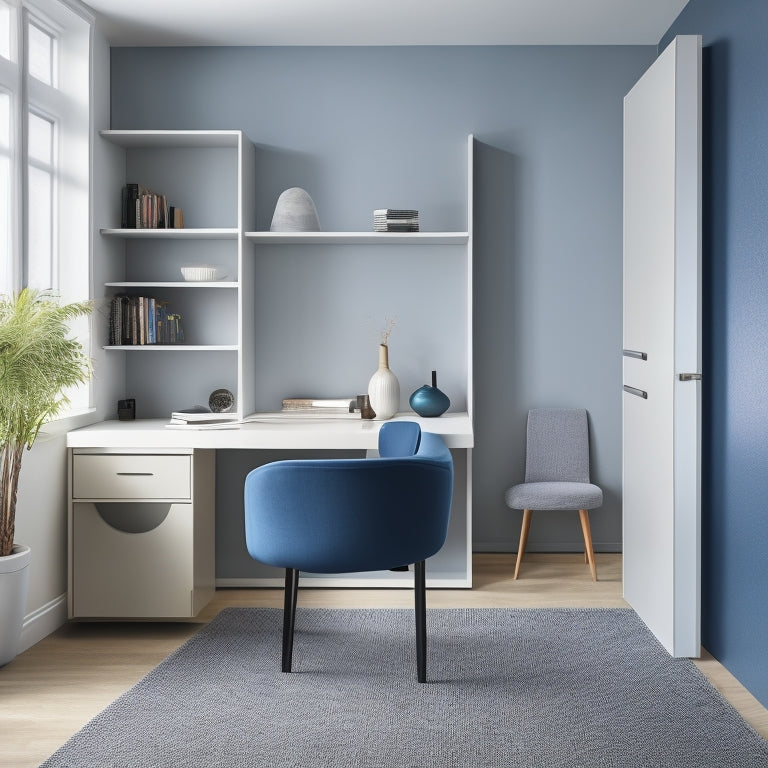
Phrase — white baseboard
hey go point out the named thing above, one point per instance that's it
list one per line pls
(40, 623)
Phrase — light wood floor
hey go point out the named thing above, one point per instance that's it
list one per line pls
(54, 688)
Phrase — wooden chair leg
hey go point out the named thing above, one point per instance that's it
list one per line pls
(420, 604)
(523, 538)
(584, 517)
(289, 615)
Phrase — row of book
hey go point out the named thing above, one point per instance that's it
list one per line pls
(395, 220)
(143, 320)
(144, 209)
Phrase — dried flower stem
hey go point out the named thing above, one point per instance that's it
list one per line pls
(389, 325)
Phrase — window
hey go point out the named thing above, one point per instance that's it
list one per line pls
(41, 187)
(5, 31)
(41, 47)
(5, 190)
(44, 152)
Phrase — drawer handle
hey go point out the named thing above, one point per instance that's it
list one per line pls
(636, 391)
(136, 474)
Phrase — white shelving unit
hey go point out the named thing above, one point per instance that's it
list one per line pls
(210, 176)
(283, 322)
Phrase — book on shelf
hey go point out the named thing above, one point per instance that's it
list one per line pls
(300, 415)
(201, 417)
(175, 217)
(143, 320)
(203, 425)
(339, 404)
(142, 208)
(395, 220)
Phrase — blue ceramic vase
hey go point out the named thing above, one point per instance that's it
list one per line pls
(429, 401)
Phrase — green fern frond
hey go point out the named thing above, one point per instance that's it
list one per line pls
(38, 363)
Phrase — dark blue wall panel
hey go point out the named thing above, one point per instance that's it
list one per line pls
(735, 253)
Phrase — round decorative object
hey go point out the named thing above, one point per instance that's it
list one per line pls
(384, 388)
(429, 401)
(295, 212)
(221, 401)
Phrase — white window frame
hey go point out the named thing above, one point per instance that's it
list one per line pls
(67, 104)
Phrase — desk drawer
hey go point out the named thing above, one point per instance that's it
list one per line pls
(131, 476)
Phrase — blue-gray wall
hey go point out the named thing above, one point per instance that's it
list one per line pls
(735, 254)
(358, 127)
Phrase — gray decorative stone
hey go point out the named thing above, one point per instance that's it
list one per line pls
(295, 212)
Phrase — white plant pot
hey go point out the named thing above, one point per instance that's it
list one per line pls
(384, 388)
(14, 581)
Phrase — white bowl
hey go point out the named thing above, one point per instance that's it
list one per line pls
(202, 274)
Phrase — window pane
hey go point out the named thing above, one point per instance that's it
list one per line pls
(40, 145)
(5, 192)
(40, 229)
(5, 31)
(5, 123)
(40, 54)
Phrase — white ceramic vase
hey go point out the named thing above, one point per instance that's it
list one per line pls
(384, 388)
(14, 581)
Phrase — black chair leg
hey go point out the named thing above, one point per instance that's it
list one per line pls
(420, 599)
(289, 615)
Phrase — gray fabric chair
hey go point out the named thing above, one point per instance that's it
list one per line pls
(556, 473)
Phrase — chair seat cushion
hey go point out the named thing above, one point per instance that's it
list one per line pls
(554, 495)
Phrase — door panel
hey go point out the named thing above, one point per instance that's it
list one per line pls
(661, 432)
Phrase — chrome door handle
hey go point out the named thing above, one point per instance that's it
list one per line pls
(634, 353)
(689, 376)
(635, 391)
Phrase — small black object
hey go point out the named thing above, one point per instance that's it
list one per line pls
(126, 409)
(364, 404)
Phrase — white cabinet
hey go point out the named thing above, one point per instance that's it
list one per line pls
(141, 533)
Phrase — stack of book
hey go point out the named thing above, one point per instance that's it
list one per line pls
(200, 418)
(144, 209)
(395, 220)
(342, 407)
(143, 320)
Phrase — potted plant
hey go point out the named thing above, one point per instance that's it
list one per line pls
(39, 361)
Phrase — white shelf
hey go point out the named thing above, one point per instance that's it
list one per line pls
(359, 238)
(200, 233)
(174, 284)
(173, 139)
(173, 347)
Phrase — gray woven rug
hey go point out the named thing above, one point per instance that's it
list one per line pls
(549, 688)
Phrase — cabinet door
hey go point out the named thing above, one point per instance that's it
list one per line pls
(132, 560)
(662, 322)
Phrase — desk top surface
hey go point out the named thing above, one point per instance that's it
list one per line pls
(264, 431)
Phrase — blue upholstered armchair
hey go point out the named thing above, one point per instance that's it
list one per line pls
(347, 515)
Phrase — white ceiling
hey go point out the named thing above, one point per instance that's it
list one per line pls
(386, 22)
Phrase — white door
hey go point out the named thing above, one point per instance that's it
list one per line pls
(662, 348)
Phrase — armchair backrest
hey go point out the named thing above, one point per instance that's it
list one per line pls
(399, 438)
(345, 515)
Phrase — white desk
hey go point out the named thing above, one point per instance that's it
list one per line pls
(451, 567)
(270, 432)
